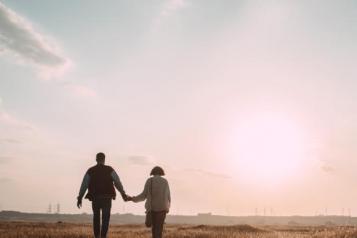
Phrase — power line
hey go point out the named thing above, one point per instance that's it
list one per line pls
(49, 210)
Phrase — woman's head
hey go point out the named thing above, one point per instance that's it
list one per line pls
(157, 171)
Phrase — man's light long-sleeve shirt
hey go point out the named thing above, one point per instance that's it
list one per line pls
(86, 180)
(157, 194)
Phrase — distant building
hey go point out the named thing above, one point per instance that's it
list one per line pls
(204, 214)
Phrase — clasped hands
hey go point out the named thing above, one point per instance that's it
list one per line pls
(126, 197)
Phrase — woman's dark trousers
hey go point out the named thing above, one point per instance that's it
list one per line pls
(158, 220)
(104, 205)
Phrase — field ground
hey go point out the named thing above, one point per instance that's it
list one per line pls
(68, 230)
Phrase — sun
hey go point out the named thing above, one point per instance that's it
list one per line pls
(268, 149)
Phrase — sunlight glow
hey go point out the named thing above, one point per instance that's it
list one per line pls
(268, 149)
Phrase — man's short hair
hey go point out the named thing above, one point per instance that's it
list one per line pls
(100, 157)
(157, 171)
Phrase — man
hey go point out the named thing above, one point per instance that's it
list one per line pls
(100, 181)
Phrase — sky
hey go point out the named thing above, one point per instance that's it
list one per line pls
(247, 105)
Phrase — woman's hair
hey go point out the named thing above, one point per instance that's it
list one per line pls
(157, 171)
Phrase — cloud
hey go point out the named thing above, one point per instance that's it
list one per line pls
(9, 141)
(14, 132)
(80, 90)
(9, 120)
(18, 38)
(327, 168)
(139, 160)
(208, 173)
(6, 180)
(172, 6)
(168, 9)
(5, 159)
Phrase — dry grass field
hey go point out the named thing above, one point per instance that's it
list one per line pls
(65, 230)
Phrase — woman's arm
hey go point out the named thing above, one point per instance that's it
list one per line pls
(142, 196)
(168, 196)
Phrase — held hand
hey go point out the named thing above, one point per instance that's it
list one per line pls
(79, 203)
(124, 196)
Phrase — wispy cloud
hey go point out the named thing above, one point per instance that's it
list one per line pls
(140, 160)
(208, 173)
(80, 90)
(6, 180)
(5, 159)
(327, 168)
(9, 141)
(19, 38)
(9, 120)
(168, 9)
(173, 5)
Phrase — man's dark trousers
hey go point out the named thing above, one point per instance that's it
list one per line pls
(104, 205)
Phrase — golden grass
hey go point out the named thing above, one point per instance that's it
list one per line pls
(67, 230)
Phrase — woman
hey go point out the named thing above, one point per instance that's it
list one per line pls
(158, 199)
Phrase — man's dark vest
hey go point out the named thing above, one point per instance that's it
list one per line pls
(100, 182)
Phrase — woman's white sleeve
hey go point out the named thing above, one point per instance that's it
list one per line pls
(142, 196)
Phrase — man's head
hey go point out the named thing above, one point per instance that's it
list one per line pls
(100, 158)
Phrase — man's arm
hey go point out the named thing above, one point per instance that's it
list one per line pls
(83, 189)
(118, 185)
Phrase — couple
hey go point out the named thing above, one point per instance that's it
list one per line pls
(100, 181)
